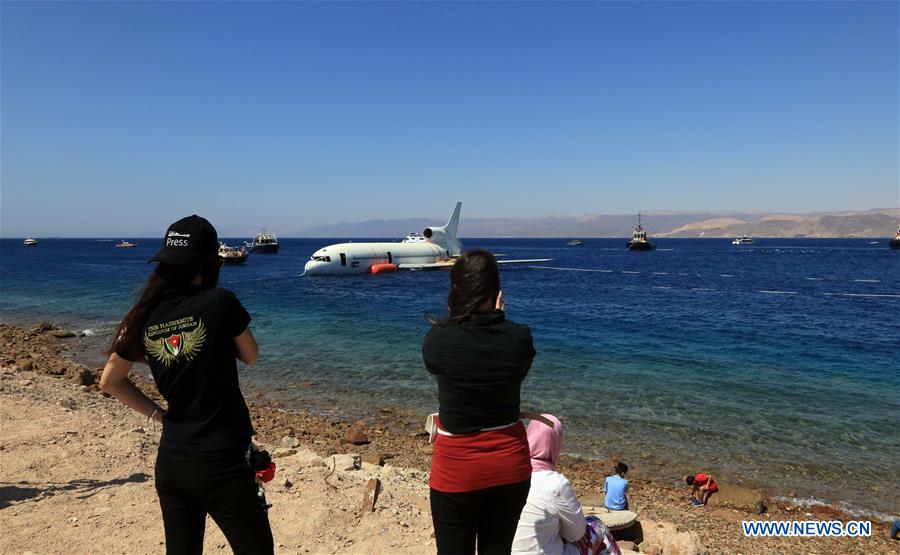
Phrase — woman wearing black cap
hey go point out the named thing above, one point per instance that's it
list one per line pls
(189, 332)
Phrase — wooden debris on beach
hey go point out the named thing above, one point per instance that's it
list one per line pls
(370, 495)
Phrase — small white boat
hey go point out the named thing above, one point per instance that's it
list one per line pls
(29, 242)
(232, 255)
(743, 240)
(125, 245)
(574, 243)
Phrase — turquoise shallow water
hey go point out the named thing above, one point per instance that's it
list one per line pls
(777, 363)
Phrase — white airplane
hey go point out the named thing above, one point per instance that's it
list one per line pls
(439, 250)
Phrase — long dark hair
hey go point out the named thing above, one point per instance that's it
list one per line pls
(474, 279)
(165, 277)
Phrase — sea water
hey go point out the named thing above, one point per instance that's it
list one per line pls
(776, 364)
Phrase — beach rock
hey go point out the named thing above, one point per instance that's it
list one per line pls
(308, 458)
(283, 452)
(388, 470)
(56, 370)
(623, 545)
(427, 449)
(82, 376)
(684, 543)
(357, 437)
(346, 462)
(25, 364)
(370, 468)
(289, 442)
(664, 538)
(743, 499)
(286, 483)
(62, 334)
(373, 458)
(42, 327)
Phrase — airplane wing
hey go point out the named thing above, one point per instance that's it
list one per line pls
(433, 266)
(524, 261)
(447, 264)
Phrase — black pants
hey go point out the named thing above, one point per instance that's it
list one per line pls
(220, 484)
(491, 514)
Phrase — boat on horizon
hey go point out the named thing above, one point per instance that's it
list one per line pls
(233, 255)
(123, 244)
(574, 243)
(30, 242)
(743, 240)
(639, 239)
(895, 242)
(264, 242)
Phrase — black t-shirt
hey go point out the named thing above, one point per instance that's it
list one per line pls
(479, 365)
(189, 344)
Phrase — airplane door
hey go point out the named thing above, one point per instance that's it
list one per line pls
(343, 259)
(390, 258)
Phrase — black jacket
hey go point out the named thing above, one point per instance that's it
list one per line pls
(479, 365)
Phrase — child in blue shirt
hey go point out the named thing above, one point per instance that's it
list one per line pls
(616, 488)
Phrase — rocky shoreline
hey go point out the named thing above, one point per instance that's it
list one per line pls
(38, 371)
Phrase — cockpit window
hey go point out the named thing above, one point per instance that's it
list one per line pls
(321, 258)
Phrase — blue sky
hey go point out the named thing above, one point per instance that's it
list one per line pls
(118, 118)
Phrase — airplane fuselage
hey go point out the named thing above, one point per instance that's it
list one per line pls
(358, 258)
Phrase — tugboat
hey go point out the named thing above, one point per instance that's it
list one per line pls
(574, 243)
(742, 240)
(232, 255)
(639, 241)
(123, 244)
(265, 243)
(895, 242)
(29, 242)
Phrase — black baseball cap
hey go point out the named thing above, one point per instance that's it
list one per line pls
(186, 241)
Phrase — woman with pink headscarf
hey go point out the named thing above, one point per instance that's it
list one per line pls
(552, 520)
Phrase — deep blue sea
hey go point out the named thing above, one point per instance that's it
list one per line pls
(775, 364)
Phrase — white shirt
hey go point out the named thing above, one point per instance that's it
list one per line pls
(551, 514)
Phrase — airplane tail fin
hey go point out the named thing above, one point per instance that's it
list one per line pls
(446, 236)
(453, 222)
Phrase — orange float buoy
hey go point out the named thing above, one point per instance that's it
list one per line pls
(382, 268)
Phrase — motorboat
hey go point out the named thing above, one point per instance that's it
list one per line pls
(574, 243)
(30, 242)
(895, 242)
(264, 242)
(742, 240)
(233, 255)
(125, 245)
(639, 238)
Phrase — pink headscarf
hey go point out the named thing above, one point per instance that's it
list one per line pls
(545, 443)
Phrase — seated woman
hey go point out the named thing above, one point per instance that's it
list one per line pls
(552, 520)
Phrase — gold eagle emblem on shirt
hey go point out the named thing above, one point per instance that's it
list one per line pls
(186, 344)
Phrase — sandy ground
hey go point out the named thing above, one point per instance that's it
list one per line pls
(76, 476)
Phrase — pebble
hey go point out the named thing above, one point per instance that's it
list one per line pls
(357, 437)
(290, 442)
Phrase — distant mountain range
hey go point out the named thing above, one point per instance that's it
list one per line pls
(880, 222)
